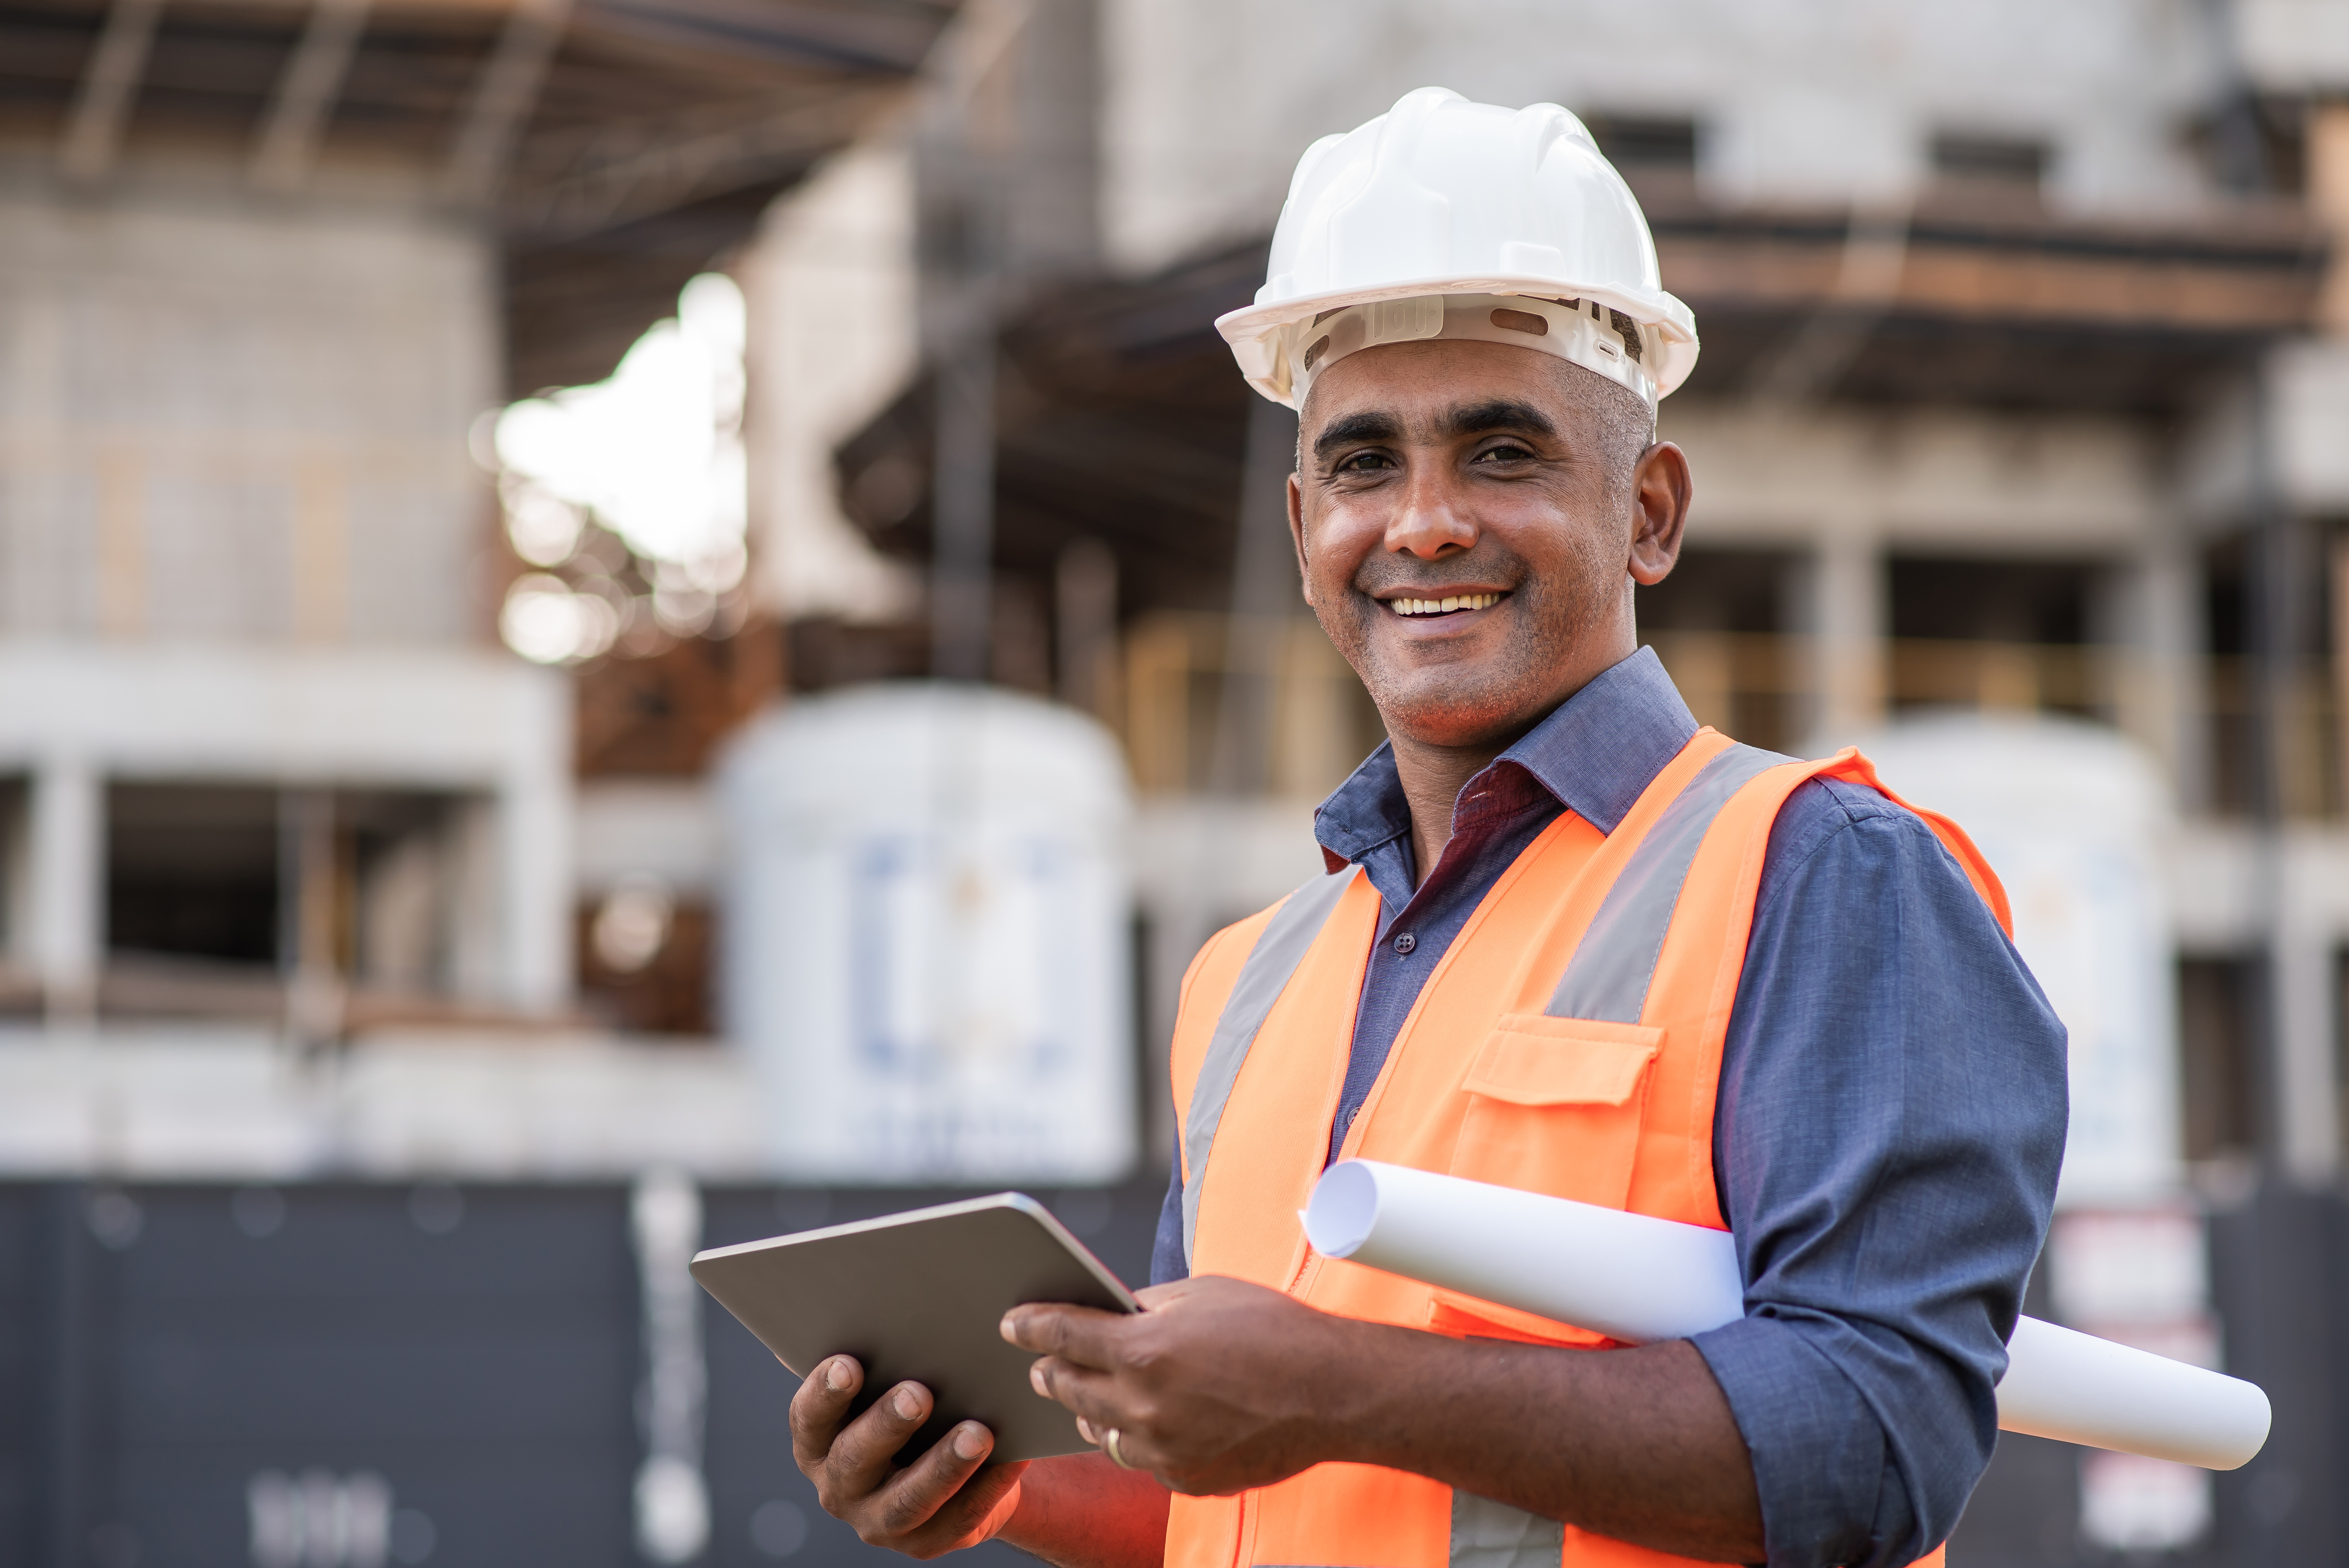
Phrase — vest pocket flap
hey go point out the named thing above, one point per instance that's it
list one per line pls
(1531, 1058)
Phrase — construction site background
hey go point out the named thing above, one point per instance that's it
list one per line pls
(489, 490)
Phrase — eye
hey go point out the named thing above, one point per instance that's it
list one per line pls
(1504, 452)
(1365, 462)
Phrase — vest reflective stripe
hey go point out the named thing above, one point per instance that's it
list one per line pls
(1278, 949)
(1481, 1082)
(1488, 1534)
(1609, 976)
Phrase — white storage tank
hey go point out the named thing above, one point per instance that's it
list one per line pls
(927, 947)
(2074, 818)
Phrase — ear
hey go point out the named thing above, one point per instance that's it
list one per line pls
(1296, 534)
(1662, 491)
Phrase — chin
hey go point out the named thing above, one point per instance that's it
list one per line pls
(1450, 714)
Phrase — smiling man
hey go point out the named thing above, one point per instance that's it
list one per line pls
(1568, 941)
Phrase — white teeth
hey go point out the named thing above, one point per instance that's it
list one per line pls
(1444, 606)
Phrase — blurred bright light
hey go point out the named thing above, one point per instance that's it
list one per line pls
(544, 620)
(654, 454)
(633, 925)
(544, 527)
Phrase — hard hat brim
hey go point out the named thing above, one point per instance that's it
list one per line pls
(1249, 331)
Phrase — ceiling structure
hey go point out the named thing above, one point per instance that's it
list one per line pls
(617, 146)
(1120, 417)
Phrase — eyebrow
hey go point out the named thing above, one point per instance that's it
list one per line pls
(1465, 419)
(1497, 414)
(1352, 428)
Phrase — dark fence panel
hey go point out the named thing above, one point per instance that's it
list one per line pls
(207, 1377)
(2277, 1266)
(464, 1356)
(178, 1363)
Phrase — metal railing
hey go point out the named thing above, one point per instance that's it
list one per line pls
(1178, 670)
(2199, 714)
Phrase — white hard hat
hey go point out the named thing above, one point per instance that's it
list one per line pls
(1408, 227)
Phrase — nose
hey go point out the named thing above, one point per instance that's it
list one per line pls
(1431, 521)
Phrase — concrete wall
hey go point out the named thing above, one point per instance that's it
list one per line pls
(243, 540)
(1207, 105)
(226, 418)
(483, 724)
(835, 333)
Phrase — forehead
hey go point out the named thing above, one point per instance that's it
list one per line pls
(1417, 381)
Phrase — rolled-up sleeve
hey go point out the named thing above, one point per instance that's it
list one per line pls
(1889, 1125)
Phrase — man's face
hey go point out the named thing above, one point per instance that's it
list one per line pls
(1481, 477)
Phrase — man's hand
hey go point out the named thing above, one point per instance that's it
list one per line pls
(1216, 1388)
(943, 1501)
(1221, 1385)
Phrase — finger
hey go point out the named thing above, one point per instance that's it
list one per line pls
(928, 1497)
(863, 1454)
(1092, 1397)
(973, 1514)
(1135, 1449)
(1079, 1333)
(820, 1406)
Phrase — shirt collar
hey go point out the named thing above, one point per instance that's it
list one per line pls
(1596, 752)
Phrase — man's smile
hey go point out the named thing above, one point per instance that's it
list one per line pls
(1449, 604)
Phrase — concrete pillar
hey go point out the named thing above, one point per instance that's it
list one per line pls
(2339, 654)
(1841, 608)
(309, 893)
(2306, 1112)
(532, 838)
(2327, 142)
(1084, 606)
(477, 923)
(2154, 628)
(1266, 600)
(15, 878)
(66, 845)
(535, 851)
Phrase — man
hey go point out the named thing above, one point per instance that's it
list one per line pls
(1570, 943)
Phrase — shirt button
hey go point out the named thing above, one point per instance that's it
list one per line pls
(1405, 943)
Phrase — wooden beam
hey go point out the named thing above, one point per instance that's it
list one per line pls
(306, 94)
(503, 102)
(677, 164)
(2164, 281)
(103, 106)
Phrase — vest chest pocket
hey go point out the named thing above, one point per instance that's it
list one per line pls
(1554, 1106)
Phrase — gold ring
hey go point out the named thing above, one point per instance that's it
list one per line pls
(1108, 1447)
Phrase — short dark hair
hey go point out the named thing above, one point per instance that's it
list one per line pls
(1627, 426)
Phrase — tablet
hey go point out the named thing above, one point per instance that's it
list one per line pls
(920, 1296)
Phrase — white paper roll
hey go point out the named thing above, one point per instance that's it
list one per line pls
(2078, 1388)
(1637, 1279)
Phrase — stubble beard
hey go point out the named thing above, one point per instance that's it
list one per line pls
(1463, 701)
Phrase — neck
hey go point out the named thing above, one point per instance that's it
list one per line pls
(1432, 776)
(1432, 773)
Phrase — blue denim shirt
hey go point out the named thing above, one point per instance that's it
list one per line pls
(1885, 1136)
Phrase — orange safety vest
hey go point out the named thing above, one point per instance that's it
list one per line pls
(1568, 1042)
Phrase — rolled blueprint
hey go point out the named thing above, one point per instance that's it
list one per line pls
(1637, 1279)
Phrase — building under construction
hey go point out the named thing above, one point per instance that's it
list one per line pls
(2022, 394)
